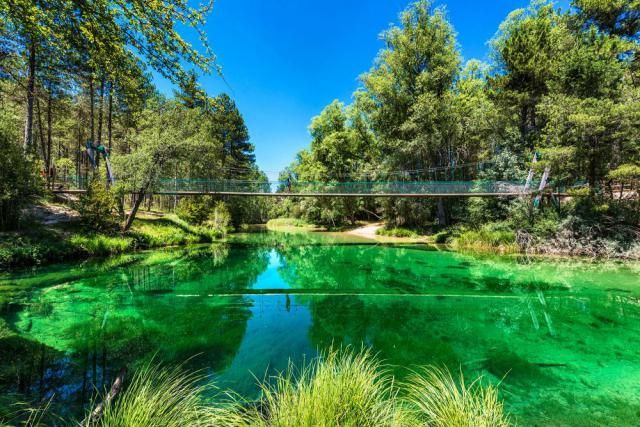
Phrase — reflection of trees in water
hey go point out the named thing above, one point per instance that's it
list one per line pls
(132, 314)
(25, 368)
(350, 267)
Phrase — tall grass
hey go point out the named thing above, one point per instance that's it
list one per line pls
(288, 222)
(163, 397)
(440, 401)
(340, 388)
(100, 244)
(487, 239)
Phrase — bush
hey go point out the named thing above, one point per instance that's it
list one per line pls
(98, 206)
(194, 210)
(220, 219)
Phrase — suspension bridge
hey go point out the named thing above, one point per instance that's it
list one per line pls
(402, 183)
(412, 189)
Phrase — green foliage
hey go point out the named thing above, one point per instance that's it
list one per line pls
(42, 246)
(169, 231)
(101, 245)
(396, 232)
(488, 237)
(220, 219)
(18, 251)
(442, 237)
(98, 205)
(194, 210)
(625, 173)
(19, 181)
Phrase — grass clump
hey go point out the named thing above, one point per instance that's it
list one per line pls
(288, 222)
(438, 400)
(487, 238)
(396, 232)
(163, 397)
(168, 231)
(338, 389)
(101, 244)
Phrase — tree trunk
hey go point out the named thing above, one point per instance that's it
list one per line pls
(49, 138)
(138, 198)
(109, 116)
(91, 112)
(442, 213)
(79, 148)
(31, 79)
(100, 110)
(41, 134)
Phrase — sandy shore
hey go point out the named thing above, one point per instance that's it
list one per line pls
(368, 231)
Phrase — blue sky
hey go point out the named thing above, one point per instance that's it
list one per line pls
(284, 60)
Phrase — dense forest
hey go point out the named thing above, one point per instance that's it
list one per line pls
(562, 86)
(79, 74)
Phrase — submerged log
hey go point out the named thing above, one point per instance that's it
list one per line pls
(116, 388)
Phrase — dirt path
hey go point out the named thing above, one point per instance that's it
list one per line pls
(368, 231)
(52, 214)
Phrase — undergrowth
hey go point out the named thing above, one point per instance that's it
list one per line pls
(46, 245)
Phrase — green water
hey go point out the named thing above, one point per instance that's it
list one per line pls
(562, 337)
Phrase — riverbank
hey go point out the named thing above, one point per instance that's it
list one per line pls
(504, 242)
(63, 237)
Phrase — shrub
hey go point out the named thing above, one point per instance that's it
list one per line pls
(340, 388)
(98, 205)
(220, 219)
(194, 210)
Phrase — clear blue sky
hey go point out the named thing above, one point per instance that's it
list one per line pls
(285, 60)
